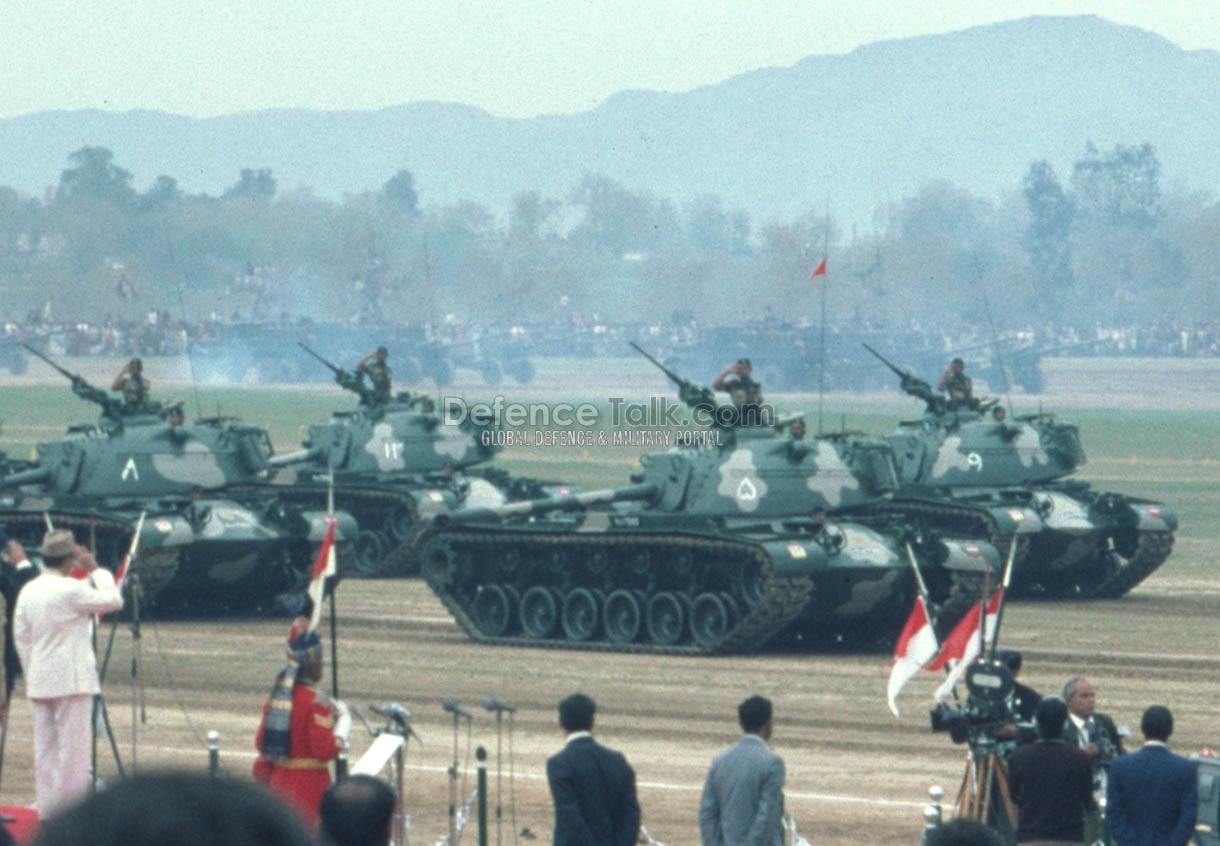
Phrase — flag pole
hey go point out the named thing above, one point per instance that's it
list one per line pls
(999, 611)
(822, 353)
(334, 636)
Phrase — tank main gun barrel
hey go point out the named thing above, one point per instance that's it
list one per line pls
(347, 381)
(25, 477)
(695, 396)
(299, 456)
(565, 502)
(910, 383)
(111, 407)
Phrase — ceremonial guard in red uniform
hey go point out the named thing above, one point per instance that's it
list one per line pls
(302, 729)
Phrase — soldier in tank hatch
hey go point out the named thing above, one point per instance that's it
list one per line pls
(380, 375)
(134, 387)
(957, 385)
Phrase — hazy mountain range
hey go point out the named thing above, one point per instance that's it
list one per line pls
(850, 132)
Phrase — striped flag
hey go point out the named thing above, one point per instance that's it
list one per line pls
(323, 568)
(916, 646)
(962, 646)
(820, 270)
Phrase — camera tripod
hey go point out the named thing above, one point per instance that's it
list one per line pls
(984, 792)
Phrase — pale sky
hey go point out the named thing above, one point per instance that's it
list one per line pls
(513, 58)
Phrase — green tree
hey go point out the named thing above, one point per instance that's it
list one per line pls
(253, 184)
(399, 193)
(94, 175)
(1047, 238)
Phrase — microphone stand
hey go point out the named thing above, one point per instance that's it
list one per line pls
(458, 713)
(492, 705)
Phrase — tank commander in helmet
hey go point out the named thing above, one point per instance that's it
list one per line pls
(746, 393)
(133, 386)
(957, 385)
(380, 375)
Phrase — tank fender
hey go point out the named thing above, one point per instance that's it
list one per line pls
(1153, 516)
(164, 531)
(858, 547)
(346, 527)
(1016, 519)
(972, 557)
(797, 557)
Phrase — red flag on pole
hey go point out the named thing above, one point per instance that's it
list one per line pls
(962, 646)
(324, 566)
(916, 646)
(820, 270)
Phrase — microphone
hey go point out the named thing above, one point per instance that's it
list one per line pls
(492, 704)
(399, 715)
(455, 709)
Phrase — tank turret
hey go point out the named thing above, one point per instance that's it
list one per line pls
(391, 462)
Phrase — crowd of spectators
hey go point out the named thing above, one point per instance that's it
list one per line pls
(158, 333)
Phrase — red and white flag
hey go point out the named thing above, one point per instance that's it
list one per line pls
(820, 270)
(916, 646)
(324, 567)
(962, 645)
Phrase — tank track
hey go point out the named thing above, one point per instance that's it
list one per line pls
(773, 601)
(1150, 552)
(108, 538)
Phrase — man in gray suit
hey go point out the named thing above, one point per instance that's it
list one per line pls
(743, 803)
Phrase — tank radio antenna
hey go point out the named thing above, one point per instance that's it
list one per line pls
(190, 359)
(995, 346)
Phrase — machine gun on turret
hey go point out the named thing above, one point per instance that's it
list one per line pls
(347, 381)
(913, 385)
(701, 400)
(112, 407)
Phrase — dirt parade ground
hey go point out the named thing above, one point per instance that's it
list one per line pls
(855, 773)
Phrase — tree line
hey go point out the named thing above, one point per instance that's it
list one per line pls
(1105, 244)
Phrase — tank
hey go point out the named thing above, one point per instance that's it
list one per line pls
(746, 536)
(201, 551)
(391, 462)
(1089, 543)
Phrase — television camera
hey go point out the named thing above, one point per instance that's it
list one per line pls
(987, 707)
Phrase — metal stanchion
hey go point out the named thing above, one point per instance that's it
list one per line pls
(214, 753)
(481, 755)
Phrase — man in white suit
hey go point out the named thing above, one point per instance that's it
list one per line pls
(51, 628)
(743, 803)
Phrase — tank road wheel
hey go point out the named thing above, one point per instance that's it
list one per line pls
(399, 523)
(495, 609)
(666, 619)
(438, 565)
(622, 617)
(748, 584)
(581, 609)
(539, 612)
(368, 552)
(710, 619)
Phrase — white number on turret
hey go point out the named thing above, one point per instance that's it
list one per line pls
(393, 450)
(975, 461)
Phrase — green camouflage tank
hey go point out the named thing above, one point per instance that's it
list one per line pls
(751, 537)
(1087, 542)
(201, 551)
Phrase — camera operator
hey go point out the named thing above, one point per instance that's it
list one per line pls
(1051, 782)
(1022, 703)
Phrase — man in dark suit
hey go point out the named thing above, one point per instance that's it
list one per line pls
(1050, 781)
(1097, 735)
(743, 801)
(1152, 796)
(593, 787)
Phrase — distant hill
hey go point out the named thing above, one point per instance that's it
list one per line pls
(855, 131)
